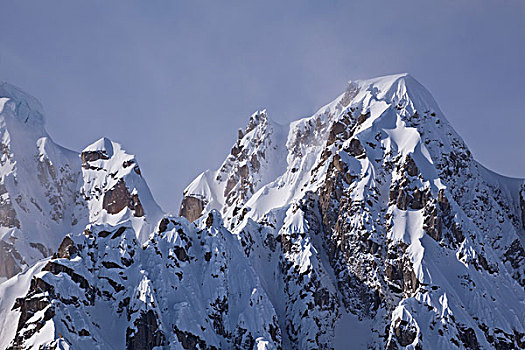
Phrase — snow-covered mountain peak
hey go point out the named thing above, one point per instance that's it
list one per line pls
(393, 88)
(115, 189)
(111, 157)
(365, 106)
(38, 182)
(254, 160)
(21, 106)
(373, 194)
(368, 225)
(103, 145)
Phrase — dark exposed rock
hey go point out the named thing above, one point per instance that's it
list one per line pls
(28, 307)
(321, 297)
(56, 268)
(405, 333)
(116, 286)
(41, 248)
(25, 331)
(163, 225)
(243, 340)
(418, 200)
(119, 232)
(104, 233)
(91, 156)
(3, 189)
(191, 208)
(8, 217)
(401, 199)
(136, 206)
(111, 265)
(399, 271)
(468, 338)
(254, 161)
(255, 120)
(393, 272)
(405, 198)
(372, 247)
(126, 262)
(439, 220)
(219, 308)
(520, 339)
(191, 341)
(342, 168)
(84, 333)
(35, 300)
(9, 260)
(146, 334)
(236, 150)
(243, 171)
(443, 202)
(499, 339)
(355, 148)
(362, 118)
(275, 332)
(432, 223)
(337, 129)
(67, 248)
(515, 255)
(457, 233)
(410, 166)
(210, 220)
(128, 163)
(119, 198)
(181, 253)
(230, 184)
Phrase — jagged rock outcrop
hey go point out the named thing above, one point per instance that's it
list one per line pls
(182, 287)
(367, 225)
(381, 194)
(191, 207)
(254, 160)
(47, 191)
(114, 188)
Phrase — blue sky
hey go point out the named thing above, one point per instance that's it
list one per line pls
(174, 80)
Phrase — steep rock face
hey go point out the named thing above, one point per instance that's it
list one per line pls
(39, 181)
(295, 277)
(46, 191)
(115, 190)
(184, 288)
(381, 202)
(367, 225)
(254, 160)
(191, 207)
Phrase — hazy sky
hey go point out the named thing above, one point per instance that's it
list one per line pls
(174, 80)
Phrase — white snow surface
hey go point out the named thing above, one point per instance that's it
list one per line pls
(402, 121)
(366, 225)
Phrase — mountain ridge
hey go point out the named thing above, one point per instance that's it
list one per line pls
(371, 214)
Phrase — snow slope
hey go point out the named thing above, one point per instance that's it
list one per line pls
(39, 182)
(366, 225)
(382, 204)
(183, 288)
(47, 191)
